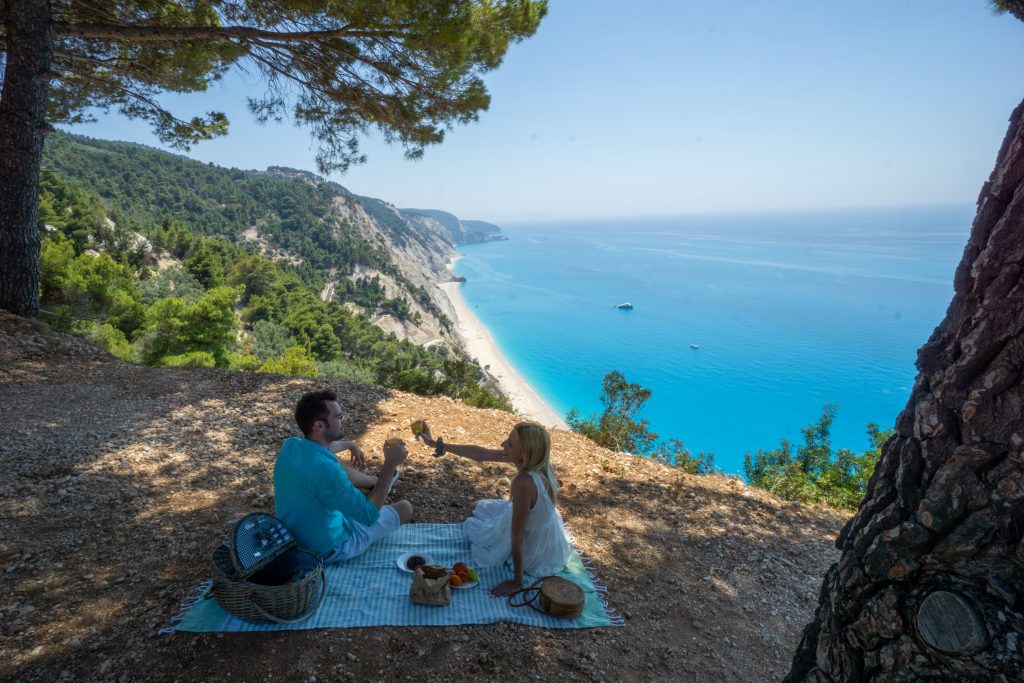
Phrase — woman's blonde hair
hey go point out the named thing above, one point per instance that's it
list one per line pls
(535, 443)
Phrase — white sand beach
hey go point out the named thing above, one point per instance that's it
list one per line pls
(480, 345)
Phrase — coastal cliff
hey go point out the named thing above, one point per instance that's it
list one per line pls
(406, 251)
(120, 479)
(455, 230)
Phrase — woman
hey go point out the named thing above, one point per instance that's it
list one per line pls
(526, 529)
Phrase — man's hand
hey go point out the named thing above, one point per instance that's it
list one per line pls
(358, 459)
(395, 455)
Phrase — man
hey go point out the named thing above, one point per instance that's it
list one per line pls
(313, 495)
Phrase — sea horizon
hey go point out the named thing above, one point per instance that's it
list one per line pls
(743, 325)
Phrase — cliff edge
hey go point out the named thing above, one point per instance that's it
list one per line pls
(120, 479)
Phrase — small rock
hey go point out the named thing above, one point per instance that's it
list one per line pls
(350, 656)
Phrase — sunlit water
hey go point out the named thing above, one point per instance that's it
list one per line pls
(789, 310)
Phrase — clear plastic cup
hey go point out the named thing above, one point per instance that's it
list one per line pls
(417, 426)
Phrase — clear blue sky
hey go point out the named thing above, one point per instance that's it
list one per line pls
(676, 106)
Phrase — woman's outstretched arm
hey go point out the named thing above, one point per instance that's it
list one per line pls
(477, 453)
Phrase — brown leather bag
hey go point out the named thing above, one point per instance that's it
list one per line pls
(557, 596)
(430, 586)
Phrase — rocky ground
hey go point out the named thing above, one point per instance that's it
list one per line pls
(119, 480)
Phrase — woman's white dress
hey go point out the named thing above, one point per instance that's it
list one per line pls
(545, 547)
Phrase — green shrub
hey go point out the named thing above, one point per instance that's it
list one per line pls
(674, 453)
(340, 369)
(813, 473)
(112, 339)
(618, 426)
(192, 359)
(243, 362)
(295, 361)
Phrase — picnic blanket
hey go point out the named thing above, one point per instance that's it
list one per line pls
(371, 590)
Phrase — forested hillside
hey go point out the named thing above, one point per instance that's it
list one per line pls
(168, 261)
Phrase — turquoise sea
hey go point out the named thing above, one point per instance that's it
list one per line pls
(790, 311)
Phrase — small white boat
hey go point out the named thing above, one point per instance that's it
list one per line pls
(625, 305)
(694, 346)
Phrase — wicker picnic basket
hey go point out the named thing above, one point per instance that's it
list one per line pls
(558, 597)
(260, 576)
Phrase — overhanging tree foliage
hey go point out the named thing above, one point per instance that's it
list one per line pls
(930, 582)
(408, 68)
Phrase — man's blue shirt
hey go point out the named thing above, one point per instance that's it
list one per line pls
(314, 497)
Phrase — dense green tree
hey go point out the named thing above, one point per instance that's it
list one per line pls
(173, 281)
(812, 473)
(175, 328)
(88, 286)
(269, 339)
(618, 426)
(255, 273)
(409, 69)
(207, 264)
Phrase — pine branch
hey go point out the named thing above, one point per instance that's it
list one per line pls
(144, 34)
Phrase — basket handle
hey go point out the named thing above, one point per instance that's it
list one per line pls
(527, 598)
(302, 617)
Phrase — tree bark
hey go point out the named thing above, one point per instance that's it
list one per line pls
(22, 129)
(930, 581)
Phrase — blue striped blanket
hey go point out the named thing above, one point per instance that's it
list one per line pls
(371, 590)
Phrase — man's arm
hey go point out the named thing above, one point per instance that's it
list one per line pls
(338, 493)
(393, 457)
(358, 459)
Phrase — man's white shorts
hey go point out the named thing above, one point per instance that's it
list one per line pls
(364, 536)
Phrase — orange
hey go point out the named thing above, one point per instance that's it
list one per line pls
(460, 567)
(455, 580)
(464, 576)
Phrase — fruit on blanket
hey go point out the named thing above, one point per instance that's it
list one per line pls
(455, 580)
(471, 573)
(460, 567)
(464, 576)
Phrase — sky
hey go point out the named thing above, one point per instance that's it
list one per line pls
(677, 107)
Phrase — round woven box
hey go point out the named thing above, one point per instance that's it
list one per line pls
(561, 598)
(287, 590)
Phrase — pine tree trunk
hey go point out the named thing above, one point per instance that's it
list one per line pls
(930, 582)
(22, 128)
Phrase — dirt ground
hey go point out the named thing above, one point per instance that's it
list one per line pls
(120, 479)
